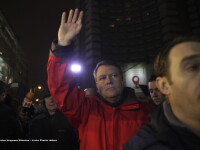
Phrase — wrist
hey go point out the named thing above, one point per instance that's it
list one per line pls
(61, 51)
(64, 42)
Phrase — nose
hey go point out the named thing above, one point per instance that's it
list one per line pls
(50, 100)
(108, 79)
(155, 93)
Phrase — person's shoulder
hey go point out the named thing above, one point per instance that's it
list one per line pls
(129, 95)
(144, 138)
(38, 120)
(146, 106)
(40, 116)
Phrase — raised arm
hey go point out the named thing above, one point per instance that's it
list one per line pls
(70, 28)
(67, 95)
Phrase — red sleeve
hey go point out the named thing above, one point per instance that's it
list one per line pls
(67, 96)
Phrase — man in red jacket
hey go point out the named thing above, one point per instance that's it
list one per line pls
(104, 121)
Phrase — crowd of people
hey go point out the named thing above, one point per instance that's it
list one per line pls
(29, 126)
(111, 117)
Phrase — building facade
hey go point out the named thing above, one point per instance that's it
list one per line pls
(133, 31)
(13, 67)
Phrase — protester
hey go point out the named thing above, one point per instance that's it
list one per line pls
(24, 119)
(175, 125)
(10, 127)
(105, 121)
(155, 93)
(52, 125)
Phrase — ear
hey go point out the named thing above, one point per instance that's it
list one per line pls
(163, 85)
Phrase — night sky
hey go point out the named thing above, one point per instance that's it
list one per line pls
(35, 24)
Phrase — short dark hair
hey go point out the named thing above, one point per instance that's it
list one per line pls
(161, 64)
(152, 78)
(107, 63)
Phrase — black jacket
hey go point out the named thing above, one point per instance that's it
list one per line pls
(162, 135)
(56, 127)
(10, 127)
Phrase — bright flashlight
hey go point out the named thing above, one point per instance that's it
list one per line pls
(76, 68)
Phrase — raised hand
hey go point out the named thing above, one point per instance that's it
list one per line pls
(68, 30)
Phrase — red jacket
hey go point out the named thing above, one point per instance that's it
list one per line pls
(100, 126)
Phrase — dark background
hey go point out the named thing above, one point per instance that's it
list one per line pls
(35, 24)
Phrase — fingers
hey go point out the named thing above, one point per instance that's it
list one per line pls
(74, 16)
(71, 12)
(63, 18)
(80, 17)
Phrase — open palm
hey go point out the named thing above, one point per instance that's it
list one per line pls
(68, 30)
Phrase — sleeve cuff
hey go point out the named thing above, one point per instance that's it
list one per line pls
(61, 51)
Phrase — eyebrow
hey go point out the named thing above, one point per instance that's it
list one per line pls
(109, 73)
(189, 58)
(102, 75)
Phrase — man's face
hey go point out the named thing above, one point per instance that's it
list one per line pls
(109, 82)
(2, 96)
(184, 91)
(49, 103)
(155, 94)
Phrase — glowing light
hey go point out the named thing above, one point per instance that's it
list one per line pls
(76, 68)
(37, 100)
(39, 87)
(128, 19)
(112, 25)
(118, 19)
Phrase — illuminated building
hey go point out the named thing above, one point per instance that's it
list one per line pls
(12, 63)
(133, 31)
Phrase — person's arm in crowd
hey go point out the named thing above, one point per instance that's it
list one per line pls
(60, 82)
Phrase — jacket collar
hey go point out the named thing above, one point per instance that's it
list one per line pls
(166, 127)
(170, 116)
(172, 119)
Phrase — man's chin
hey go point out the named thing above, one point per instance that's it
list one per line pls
(157, 101)
(111, 95)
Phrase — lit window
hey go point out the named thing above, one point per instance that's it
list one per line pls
(128, 19)
(112, 25)
(118, 19)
